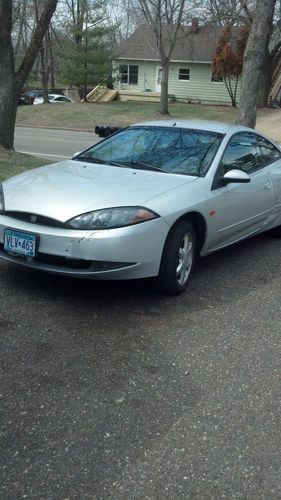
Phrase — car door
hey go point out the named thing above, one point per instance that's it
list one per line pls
(241, 209)
(272, 158)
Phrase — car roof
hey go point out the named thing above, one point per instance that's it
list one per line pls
(56, 95)
(210, 126)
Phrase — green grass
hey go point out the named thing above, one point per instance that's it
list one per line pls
(85, 116)
(12, 163)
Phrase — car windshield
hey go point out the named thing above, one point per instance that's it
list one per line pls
(165, 149)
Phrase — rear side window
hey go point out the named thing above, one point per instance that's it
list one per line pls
(269, 153)
(242, 153)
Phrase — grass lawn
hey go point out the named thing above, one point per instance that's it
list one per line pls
(86, 116)
(12, 163)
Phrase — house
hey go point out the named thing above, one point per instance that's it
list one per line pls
(137, 67)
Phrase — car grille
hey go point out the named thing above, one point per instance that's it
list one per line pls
(60, 262)
(35, 219)
(56, 260)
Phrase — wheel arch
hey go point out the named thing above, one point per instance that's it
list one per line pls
(199, 224)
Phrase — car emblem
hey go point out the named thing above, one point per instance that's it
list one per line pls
(33, 218)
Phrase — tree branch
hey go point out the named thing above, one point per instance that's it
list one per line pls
(36, 40)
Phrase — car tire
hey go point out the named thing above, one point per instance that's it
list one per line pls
(177, 259)
(276, 232)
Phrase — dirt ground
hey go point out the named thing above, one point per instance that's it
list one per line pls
(269, 122)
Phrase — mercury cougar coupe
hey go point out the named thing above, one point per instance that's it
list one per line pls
(144, 202)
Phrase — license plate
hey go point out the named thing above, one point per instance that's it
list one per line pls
(20, 243)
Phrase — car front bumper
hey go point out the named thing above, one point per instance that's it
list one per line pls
(123, 253)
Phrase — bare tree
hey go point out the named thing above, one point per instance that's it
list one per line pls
(254, 56)
(12, 80)
(43, 54)
(121, 17)
(222, 12)
(165, 17)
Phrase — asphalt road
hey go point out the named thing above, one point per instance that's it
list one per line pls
(111, 391)
(52, 144)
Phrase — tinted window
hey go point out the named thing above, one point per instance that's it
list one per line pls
(62, 99)
(269, 153)
(242, 153)
(175, 150)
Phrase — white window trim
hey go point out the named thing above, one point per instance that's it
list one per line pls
(183, 79)
(128, 66)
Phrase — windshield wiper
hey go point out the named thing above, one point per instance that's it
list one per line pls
(90, 159)
(145, 166)
(122, 164)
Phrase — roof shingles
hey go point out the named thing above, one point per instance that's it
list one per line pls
(189, 46)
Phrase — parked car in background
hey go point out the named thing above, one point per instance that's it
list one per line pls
(144, 202)
(53, 98)
(25, 100)
(34, 93)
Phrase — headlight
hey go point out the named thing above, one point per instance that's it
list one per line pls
(110, 218)
(2, 204)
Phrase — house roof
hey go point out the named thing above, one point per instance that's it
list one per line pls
(190, 47)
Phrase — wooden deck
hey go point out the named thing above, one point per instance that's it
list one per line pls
(127, 95)
(102, 94)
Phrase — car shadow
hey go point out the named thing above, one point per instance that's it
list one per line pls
(90, 383)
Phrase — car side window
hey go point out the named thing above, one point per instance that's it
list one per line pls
(269, 153)
(242, 153)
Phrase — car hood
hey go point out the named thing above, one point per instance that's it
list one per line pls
(69, 188)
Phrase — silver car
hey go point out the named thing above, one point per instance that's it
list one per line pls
(144, 202)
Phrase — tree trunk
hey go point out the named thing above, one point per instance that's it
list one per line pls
(231, 92)
(44, 73)
(11, 82)
(8, 111)
(8, 100)
(165, 17)
(265, 82)
(254, 55)
(164, 88)
(43, 57)
(51, 57)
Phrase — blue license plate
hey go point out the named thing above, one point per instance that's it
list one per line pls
(20, 243)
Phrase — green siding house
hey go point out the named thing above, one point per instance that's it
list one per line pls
(137, 67)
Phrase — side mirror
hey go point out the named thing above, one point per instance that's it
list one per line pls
(76, 154)
(236, 175)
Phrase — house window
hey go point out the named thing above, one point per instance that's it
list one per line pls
(129, 73)
(217, 79)
(184, 74)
